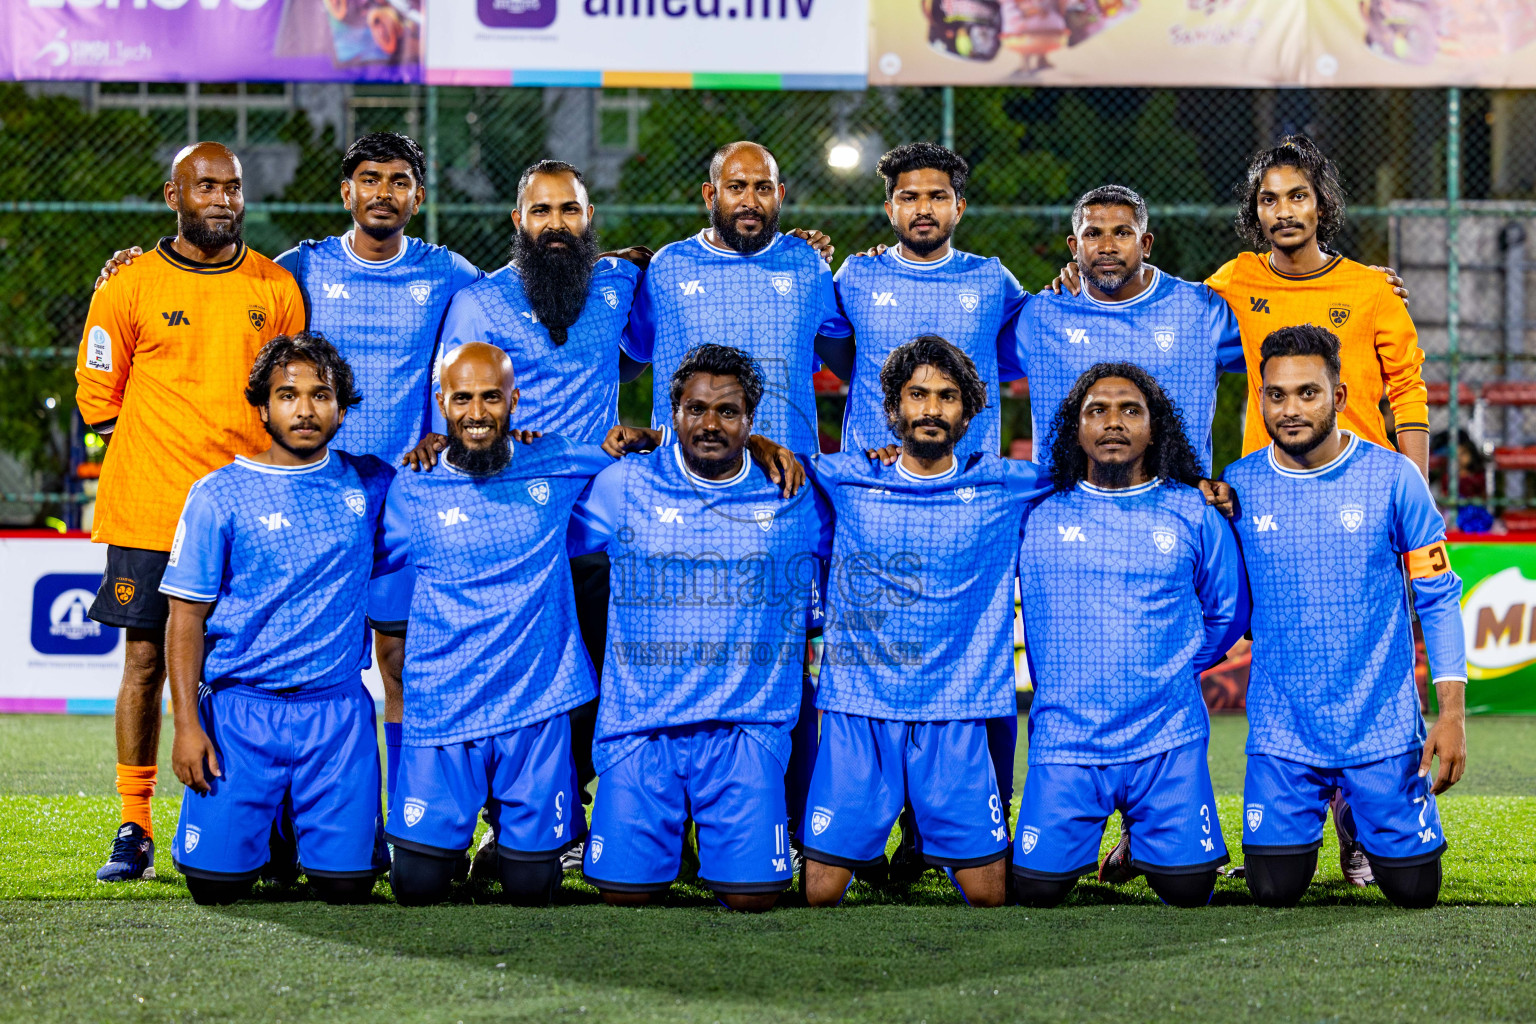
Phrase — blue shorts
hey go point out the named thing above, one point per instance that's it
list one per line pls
(389, 600)
(1166, 801)
(315, 752)
(1396, 817)
(713, 773)
(868, 768)
(526, 778)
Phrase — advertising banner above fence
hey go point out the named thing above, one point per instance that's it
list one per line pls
(676, 44)
(1488, 43)
(213, 40)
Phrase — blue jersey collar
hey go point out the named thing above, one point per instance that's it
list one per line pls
(704, 481)
(1157, 279)
(716, 250)
(262, 467)
(896, 254)
(356, 260)
(1118, 492)
(1327, 467)
(954, 468)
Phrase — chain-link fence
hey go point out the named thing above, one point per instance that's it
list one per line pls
(82, 166)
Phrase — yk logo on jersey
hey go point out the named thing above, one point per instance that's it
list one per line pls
(421, 291)
(1253, 815)
(414, 809)
(538, 490)
(1351, 516)
(1163, 539)
(969, 300)
(356, 501)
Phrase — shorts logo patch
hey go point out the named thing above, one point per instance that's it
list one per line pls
(414, 809)
(820, 819)
(421, 291)
(194, 835)
(122, 589)
(538, 490)
(1253, 814)
(1164, 540)
(258, 317)
(965, 494)
(1351, 516)
(98, 349)
(968, 300)
(763, 517)
(1338, 315)
(357, 501)
(1029, 838)
(596, 848)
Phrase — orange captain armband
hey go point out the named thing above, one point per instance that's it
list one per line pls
(1428, 561)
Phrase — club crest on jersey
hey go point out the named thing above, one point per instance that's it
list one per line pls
(611, 297)
(595, 845)
(969, 300)
(1338, 315)
(965, 494)
(122, 589)
(820, 819)
(763, 517)
(258, 315)
(538, 490)
(1028, 839)
(1163, 539)
(421, 291)
(194, 835)
(1351, 516)
(356, 501)
(1163, 336)
(1253, 815)
(782, 283)
(414, 809)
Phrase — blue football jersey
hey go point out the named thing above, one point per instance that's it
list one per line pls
(570, 389)
(970, 301)
(1332, 681)
(1126, 597)
(1182, 333)
(493, 642)
(919, 616)
(712, 587)
(384, 319)
(771, 304)
(285, 554)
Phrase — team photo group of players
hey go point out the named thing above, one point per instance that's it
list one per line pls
(368, 448)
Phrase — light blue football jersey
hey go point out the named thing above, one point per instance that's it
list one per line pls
(919, 617)
(384, 319)
(1182, 333)
(1126, 597)
(771, 305)
(713, 586)
(493, 643)
(285, 554)
(570, 389)
(1332, 681)
(970, 301)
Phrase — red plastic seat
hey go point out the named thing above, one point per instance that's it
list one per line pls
(1515, 458)
(1510, 392)
(1440, 393)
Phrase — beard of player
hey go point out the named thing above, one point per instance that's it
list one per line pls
(1110, 279)
(210, 235)
(935, 449)
(282, 436)
(737, 241)
(1114, 475)
(924, 246)
(485, 459)
(555, 277)
(1321, 431)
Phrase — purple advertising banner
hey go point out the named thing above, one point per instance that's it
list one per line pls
(212, 40)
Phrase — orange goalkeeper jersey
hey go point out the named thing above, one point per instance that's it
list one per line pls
(163, 363)
(1378, 345)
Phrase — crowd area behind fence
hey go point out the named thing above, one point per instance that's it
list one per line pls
(1442, 186)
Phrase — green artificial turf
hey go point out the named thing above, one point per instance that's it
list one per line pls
(75, 950)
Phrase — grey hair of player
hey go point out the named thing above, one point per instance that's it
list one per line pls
(1303, 340)
(932, 350)
(301, 347)
(720, 361)
(1110, 195)
(551, 167)
(717, 162)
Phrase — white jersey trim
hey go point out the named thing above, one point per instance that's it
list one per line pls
(954, 468)
(907, 261)
(346, 244)
(262, 467)
(702, 481)
(1338, 460)
(1119, 492)
(702, 240)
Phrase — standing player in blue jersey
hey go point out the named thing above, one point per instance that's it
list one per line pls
(494, 659)
(919, 637)
(267, 642)
(741, 281)
(1329, 522)
(1182, 333)
(713, 573)
(1131, 586)
(924, 285)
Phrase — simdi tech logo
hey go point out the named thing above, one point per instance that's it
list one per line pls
(61, 621)
(516, 13)
(1498, 615)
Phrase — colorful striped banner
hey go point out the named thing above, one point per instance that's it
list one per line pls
(641, 79)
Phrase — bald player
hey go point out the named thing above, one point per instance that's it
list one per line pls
(161, 374)
(494, 661)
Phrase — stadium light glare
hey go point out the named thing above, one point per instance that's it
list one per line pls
(844, 156)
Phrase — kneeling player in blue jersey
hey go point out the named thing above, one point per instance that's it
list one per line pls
(919, 637)
(713, 573)
(493, 660)
(267, 577)
(1131, 585)
(1328, 522)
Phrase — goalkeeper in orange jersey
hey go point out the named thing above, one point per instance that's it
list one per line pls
(167, 347)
